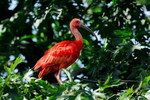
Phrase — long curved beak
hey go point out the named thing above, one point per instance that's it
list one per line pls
(88, 29)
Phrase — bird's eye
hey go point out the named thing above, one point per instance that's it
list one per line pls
(77, 21)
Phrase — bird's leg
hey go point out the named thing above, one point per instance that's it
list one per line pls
(57, 76)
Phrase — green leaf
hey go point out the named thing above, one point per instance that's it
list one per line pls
(108, 79)
(38, 97)
(1, 94)
(85, 42)
(123, 33)
(1, 87)
(114, 1)
(126, 95)
(146, 81)
(7, 69)
(26, 37)
(17, 61)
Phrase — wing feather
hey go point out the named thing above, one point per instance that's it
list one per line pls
(65, 52)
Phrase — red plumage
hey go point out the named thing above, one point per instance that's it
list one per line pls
(61, 55)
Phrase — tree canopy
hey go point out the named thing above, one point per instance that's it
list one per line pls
(117, 66)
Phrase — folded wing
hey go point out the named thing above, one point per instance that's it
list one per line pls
(59, 56)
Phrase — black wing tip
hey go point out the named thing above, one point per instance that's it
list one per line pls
(39, 69)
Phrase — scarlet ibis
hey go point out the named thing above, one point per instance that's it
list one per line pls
(62, 54)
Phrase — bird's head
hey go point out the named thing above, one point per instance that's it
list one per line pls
(76, 23)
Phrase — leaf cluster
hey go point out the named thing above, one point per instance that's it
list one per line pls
(18, 87)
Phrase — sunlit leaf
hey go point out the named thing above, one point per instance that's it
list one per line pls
(68, 74)
(27, 77)
(78, 97)
(146, 81)
(147, 95)
(99, 94)
(126, 94)
(108, 80)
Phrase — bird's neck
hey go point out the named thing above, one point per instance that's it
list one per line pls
(76, 34)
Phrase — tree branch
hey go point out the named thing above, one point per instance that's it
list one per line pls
(92, 81)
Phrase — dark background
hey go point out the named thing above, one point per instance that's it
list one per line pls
(123, 27)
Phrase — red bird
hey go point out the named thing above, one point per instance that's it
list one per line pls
(62, 54)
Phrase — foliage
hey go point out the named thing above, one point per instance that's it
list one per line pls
(19, 87)
(115, 67)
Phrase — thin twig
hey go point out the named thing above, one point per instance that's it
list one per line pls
(92, 81)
